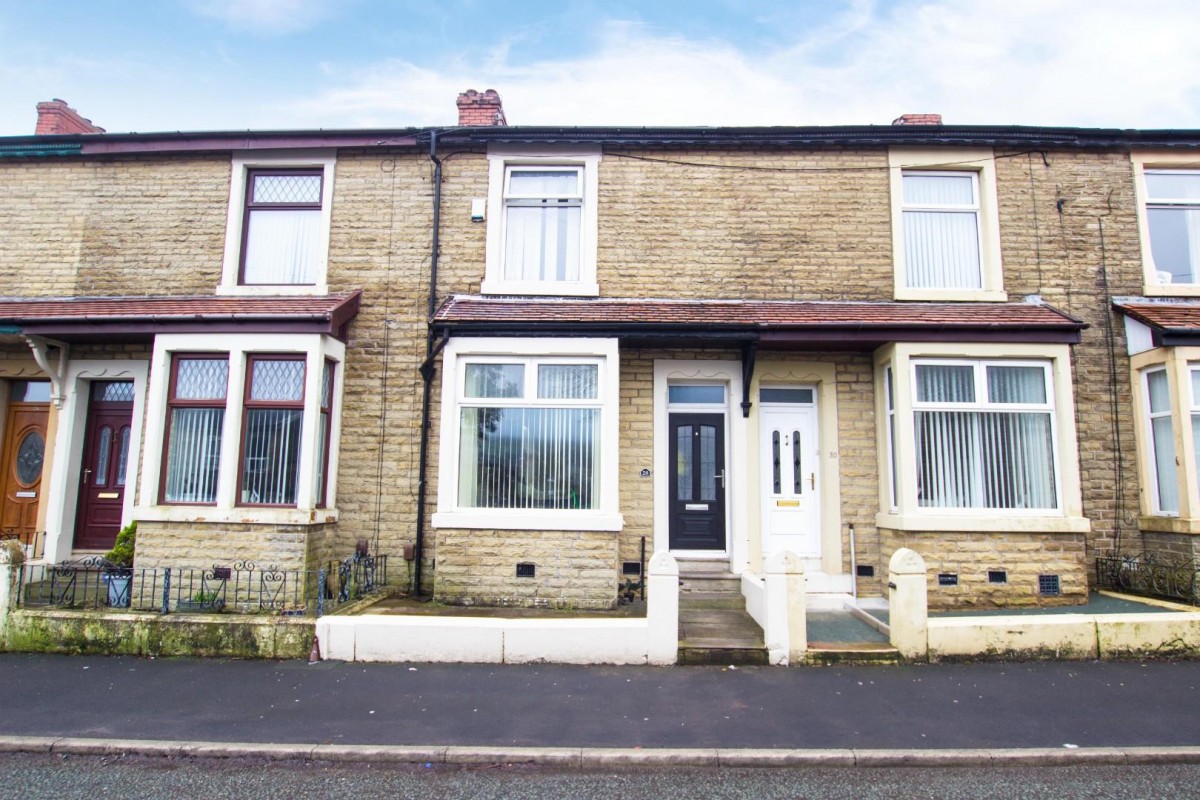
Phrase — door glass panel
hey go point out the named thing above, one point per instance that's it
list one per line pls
(797, 481)
(708, 463)
(112, 391)
(31, 391)
(776, 478)
(683, 462)
(696, 394)
(122, 456)
(103, 450)
(29, 457)
(804, 396)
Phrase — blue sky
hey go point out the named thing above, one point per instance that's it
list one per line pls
(238, 64)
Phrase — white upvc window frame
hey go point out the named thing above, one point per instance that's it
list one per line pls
(1179, 364)
(501, 162)
(980, 164)
(316, 349)
(241, 168)
(896, 428)
(459, 352)
(1152, 161)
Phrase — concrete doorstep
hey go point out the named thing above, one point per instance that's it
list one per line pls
(595, 757)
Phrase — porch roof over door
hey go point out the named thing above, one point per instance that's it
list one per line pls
(80, 319)
(768, 324)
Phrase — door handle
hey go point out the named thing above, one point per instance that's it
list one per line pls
(721, 478)
(812, 480)
(86, 473)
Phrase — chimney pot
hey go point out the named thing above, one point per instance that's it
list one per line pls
(56, 116)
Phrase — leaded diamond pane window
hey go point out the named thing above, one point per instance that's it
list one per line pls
(201, 379)
(282, 230)
(112, 391)
(277, 380)
(287, 189)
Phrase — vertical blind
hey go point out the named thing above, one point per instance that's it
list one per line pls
(271, 440)
(1163, 440)
(522, 454)
(194, 454)
(999, 454)
(941, 232)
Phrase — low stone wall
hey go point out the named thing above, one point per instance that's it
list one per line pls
(1023, 557)
(144, 634)
(201, 545)
(573, 569)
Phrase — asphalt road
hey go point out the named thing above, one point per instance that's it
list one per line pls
(1084, 704)
(38, 777)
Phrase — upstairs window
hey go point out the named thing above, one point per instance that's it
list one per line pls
(945, 224)
(941, 230)
(282, 227)
(1173, 219)
(277, 238)
(542, 226)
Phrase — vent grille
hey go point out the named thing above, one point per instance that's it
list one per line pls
(947, 579)
(997, 576)
(631, 568)
(526, 570)
(865, 571)
(1049, 585)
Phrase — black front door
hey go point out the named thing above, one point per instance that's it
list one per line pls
(697, 481)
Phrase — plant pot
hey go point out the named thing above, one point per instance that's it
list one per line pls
(118, 590)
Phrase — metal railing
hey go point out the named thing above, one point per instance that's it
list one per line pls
(241, 587)
(1150, 576)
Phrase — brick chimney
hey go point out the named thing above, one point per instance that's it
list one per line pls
(58, 117)
(918, 119)
(480, 109)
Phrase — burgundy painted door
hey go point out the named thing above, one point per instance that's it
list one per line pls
(105, 459)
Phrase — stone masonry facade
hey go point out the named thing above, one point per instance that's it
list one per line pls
(693, 223)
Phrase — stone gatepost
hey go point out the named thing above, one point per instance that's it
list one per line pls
(662, 609)
(787, 609)
(11, 559)
(908, 604)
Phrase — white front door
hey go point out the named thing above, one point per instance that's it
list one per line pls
(790, 478)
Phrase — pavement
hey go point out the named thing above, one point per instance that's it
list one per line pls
(1111, 712)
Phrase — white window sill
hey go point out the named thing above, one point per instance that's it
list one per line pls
(1171, 290)
(246, 515)
(1169, 524)
(280, 290)
(953, 295)
(983, 520)
(525, 520)
(549, 288)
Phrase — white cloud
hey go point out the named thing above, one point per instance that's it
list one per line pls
(266, 17)
(1033, 62)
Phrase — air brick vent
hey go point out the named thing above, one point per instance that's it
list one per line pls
(997, 576)
(1049, 585)
(947, 579)
(526, 570)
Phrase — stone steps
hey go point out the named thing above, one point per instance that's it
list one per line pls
(714, 627)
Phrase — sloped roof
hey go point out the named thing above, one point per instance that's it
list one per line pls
(766, 321)
(1164, 315)
(137, 317)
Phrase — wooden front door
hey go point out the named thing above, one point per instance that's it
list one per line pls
(24, 454)
(105, 461)
(697, 454)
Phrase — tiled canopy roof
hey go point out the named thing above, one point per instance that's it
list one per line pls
(1171, 315)
(767, 320)
(79, 317)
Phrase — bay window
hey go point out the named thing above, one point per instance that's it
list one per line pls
(977, 437)
(529, 435)
(248, 432)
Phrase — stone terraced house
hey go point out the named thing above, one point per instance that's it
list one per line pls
(521, 353)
